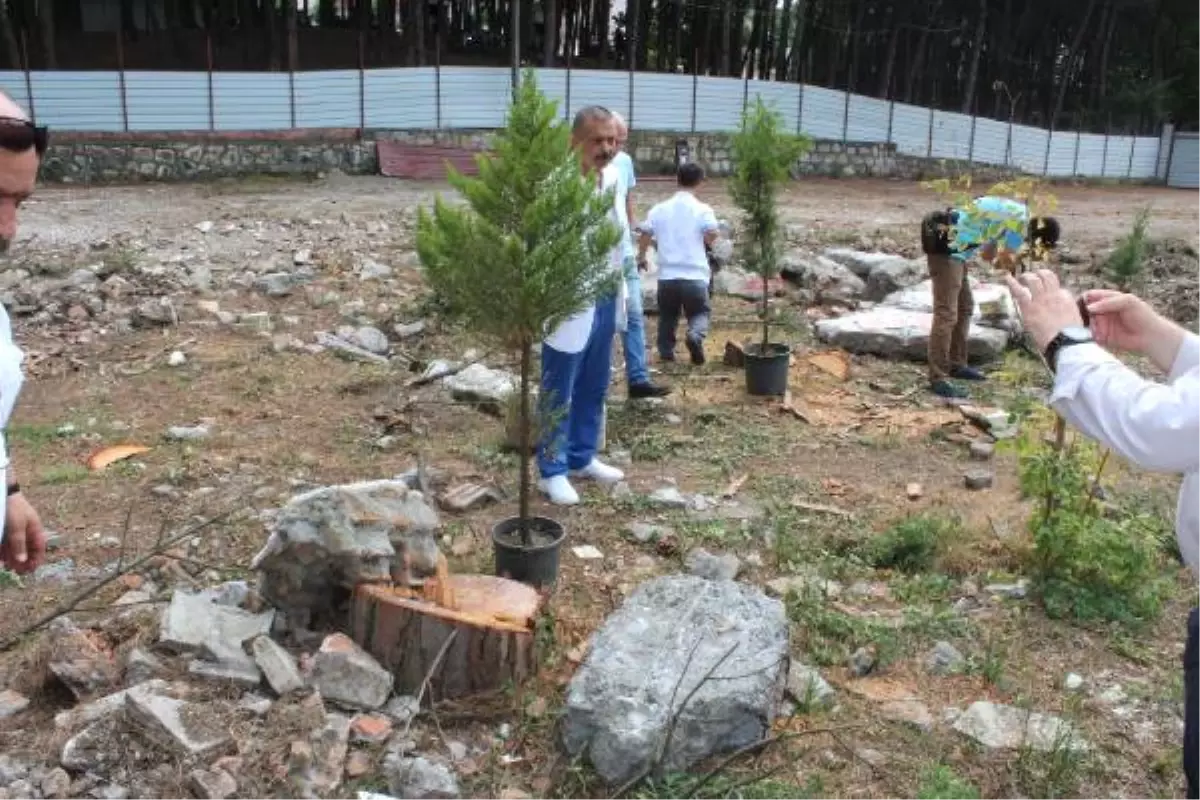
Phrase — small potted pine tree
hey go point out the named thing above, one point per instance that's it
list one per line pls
(763, 154)
(526, 251)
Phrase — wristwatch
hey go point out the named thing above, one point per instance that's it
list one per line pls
(1068, 336)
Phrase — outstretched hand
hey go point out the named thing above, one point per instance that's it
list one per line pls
(1046, 307)
(24, 544)
(1120, 321)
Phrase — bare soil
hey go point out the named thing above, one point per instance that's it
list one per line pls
(282, 419)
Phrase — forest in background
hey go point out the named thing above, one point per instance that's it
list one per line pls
(1119, 66)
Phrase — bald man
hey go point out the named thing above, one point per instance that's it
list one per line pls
(633, 339)
(23, 542)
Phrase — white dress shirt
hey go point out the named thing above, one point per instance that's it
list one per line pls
(11, 379)
(573, 334)
(1154, 425)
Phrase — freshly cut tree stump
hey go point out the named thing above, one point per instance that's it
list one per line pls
(406, 630)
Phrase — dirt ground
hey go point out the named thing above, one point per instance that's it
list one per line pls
(283, 419)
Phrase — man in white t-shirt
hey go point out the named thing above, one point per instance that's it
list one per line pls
(633, 340)
(681, 228)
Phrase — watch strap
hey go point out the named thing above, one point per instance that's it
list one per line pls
(1057, 345)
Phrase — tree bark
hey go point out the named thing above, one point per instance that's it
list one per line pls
(8, 36)
(632, 34)
(602, 30)
(976, 53)
(550, 45)
(726, 37)
(490, 619)
(1069, 66)
(46, 29)
(797, 56)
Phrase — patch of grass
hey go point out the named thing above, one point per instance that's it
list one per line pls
(64, 474)
(830, 635)
(911, 545)
(35, 437)
(940, 782)
(712, 532)
(728, 787)
(991, 662)
(1057, 772)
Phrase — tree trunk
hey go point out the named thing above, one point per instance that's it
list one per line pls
(1102, 100)
(797, 56)
(726, 37)
(976, 52)
(292, 45)
(550, 34)
(490, 619)
(781, 41)
(914, 69)
(889, 64)
(1069, 66)
(8, 36)
(601, 33)
(632, 34)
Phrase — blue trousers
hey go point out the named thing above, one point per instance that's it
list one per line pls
(574, 386)
(633, 341)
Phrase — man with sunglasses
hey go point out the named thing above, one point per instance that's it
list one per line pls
(23, 542)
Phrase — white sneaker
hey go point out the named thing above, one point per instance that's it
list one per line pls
(559, 490)
(600, 472)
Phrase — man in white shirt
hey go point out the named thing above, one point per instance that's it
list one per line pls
(633, 340)
(1154, 425)
(680, 229)
(22, 146)
(577, 355)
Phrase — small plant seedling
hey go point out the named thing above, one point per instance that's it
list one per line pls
(763, 154)
(1124, 264)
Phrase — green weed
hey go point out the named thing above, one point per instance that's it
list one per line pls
(939, 782)
(911, 545)
(1124, 264)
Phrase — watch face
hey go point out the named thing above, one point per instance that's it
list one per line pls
(1076, 333)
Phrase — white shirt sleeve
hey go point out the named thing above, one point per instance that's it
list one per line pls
(1154, 425)
(1187, 358)
(708, 220)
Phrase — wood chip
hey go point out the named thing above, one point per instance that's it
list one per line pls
(735, 486)
(833, 362)
(110, 455)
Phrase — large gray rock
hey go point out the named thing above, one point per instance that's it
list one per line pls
(897, 333)
(277, 665)
(420, 778)
(826, 279)
(1004, 727)
(653, 654)
(994, 306)
(477, 383)
(195, 623)
(184, 728)
(325, 542)
(892, 276)
(346, 674)
(860, 263)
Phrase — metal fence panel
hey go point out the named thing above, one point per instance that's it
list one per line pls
(478, 98)
(1185, 162)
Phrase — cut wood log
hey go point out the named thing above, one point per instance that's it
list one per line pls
(493, 647)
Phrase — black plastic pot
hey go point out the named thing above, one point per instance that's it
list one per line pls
(767, 373)
(536, 565)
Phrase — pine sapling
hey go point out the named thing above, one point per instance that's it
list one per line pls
(527, 250)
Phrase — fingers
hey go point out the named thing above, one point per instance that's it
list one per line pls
(35, 542)
(1114, 303)
(1049, 280)
(1096, 295)
(1020, 294)
(14, 540)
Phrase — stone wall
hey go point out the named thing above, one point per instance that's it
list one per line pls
(128, 158)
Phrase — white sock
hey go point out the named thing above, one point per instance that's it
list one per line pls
(600, 472)
(559, 490)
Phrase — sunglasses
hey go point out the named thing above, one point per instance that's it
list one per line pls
(18, 135)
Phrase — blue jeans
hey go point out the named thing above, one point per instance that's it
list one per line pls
(633, 340)
(574, 386)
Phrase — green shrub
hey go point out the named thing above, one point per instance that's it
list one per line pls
(941, 783)
(1124, 265)
(1088, 562)
(910, 546)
